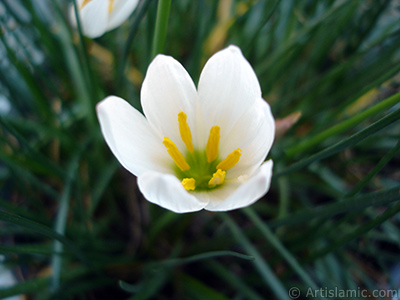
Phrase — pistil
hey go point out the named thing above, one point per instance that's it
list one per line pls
(204, 171)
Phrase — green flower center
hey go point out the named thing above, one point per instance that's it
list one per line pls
(200, 170)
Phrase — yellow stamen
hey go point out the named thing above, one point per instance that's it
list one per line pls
(213, 143)
(217, 179)
(176, 154)
(110, 6)
(184, 129)
(231, 160)
(84, 3)
(189, 184)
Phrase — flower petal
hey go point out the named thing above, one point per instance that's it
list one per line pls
(168, 89)
(167, 191)
(234, 196)
(121, 12)
(130, 137)
(94, 18)
(228, 86)
(254, 134)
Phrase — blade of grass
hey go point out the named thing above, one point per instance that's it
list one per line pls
(284, 192)
(343, 126)
(231, 279)
(378, 167)
(202, 256)
(23, 212)
(28, 287)
(359, 232)
(32, 249)
(160, 34)
(156, 278)
(33, 286)
(87, 67)
(36, 93)
(266, 17)
(348, 142)
(61, 220)
(43, 230)
(356, 203)
(138, 17)
(101, 185)
(259, 263)
(22, 173)
(264, 68)
(35, 155)
(279, 247)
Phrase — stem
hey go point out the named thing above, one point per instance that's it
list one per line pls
(160, 33)
(141, 10)
(93, 95)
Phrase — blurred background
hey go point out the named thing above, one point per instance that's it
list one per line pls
(73, 224)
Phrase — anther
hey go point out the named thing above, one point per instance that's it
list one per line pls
(213, 144)
(217, 179)
(189, 184)
(176, 154)
(84, 3)
(184, 130)
(110, 6)
(231, 160)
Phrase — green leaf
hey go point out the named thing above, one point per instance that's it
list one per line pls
(231, 279)
(279, 247)
(203, 256)
(356, 203)
(61, 219)
(43, 230)
(378, 167)
(357, 233)
(42, 249)
(38, 285)
(160, 34)
(343, 126)
(28, 287)
(348, 142)
(260, 264)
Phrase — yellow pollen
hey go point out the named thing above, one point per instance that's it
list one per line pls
(231, 160)
(184, 129)
(84, 3)
(189, 184)
(176, 154)
(110, 6)
(213, 144)
(217, 179)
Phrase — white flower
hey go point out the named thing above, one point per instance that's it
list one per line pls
(100, 16)
(195, 149)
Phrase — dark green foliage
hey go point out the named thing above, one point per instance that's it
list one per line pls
(330, 219)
